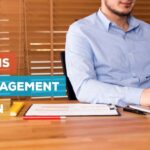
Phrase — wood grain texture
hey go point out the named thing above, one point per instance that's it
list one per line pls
(126, 132)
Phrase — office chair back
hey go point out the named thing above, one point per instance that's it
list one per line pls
(70, 91)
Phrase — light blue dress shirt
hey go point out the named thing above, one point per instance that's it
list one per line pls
(106, 64)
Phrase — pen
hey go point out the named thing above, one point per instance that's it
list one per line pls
(43, 117)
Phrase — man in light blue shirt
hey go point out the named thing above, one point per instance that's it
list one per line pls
(108, 56)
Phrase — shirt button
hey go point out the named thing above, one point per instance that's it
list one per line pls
(134, 75)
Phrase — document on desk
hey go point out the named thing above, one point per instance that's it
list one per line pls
(72, 110)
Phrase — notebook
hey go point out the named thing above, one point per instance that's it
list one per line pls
(72, 110)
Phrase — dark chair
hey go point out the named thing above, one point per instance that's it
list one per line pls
(70, 91)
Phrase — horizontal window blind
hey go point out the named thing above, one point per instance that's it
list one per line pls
(11, 31)
(47, 22)
(38, 36)
(142, 10)
(36, 30)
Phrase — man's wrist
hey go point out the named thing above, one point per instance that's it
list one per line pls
(145, 97)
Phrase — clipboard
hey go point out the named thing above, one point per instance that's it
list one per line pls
(72, 110)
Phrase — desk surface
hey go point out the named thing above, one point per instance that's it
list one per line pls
(126, 132)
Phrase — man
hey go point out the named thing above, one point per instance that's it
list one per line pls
(108, 56)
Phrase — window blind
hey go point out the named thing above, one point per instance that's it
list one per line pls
(36, 30)
(11, 31)
(46, 24)
(142, 10)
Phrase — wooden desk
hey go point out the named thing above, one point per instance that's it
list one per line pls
(127, 132)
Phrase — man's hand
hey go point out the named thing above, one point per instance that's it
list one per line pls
(145, 97)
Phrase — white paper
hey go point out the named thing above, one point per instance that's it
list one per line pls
(70, 110)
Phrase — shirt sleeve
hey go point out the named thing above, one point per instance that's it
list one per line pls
(82, 74)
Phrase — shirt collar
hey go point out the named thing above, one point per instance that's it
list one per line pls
(133, 22)
(106, 22)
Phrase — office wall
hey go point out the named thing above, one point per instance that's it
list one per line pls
(35, 30)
